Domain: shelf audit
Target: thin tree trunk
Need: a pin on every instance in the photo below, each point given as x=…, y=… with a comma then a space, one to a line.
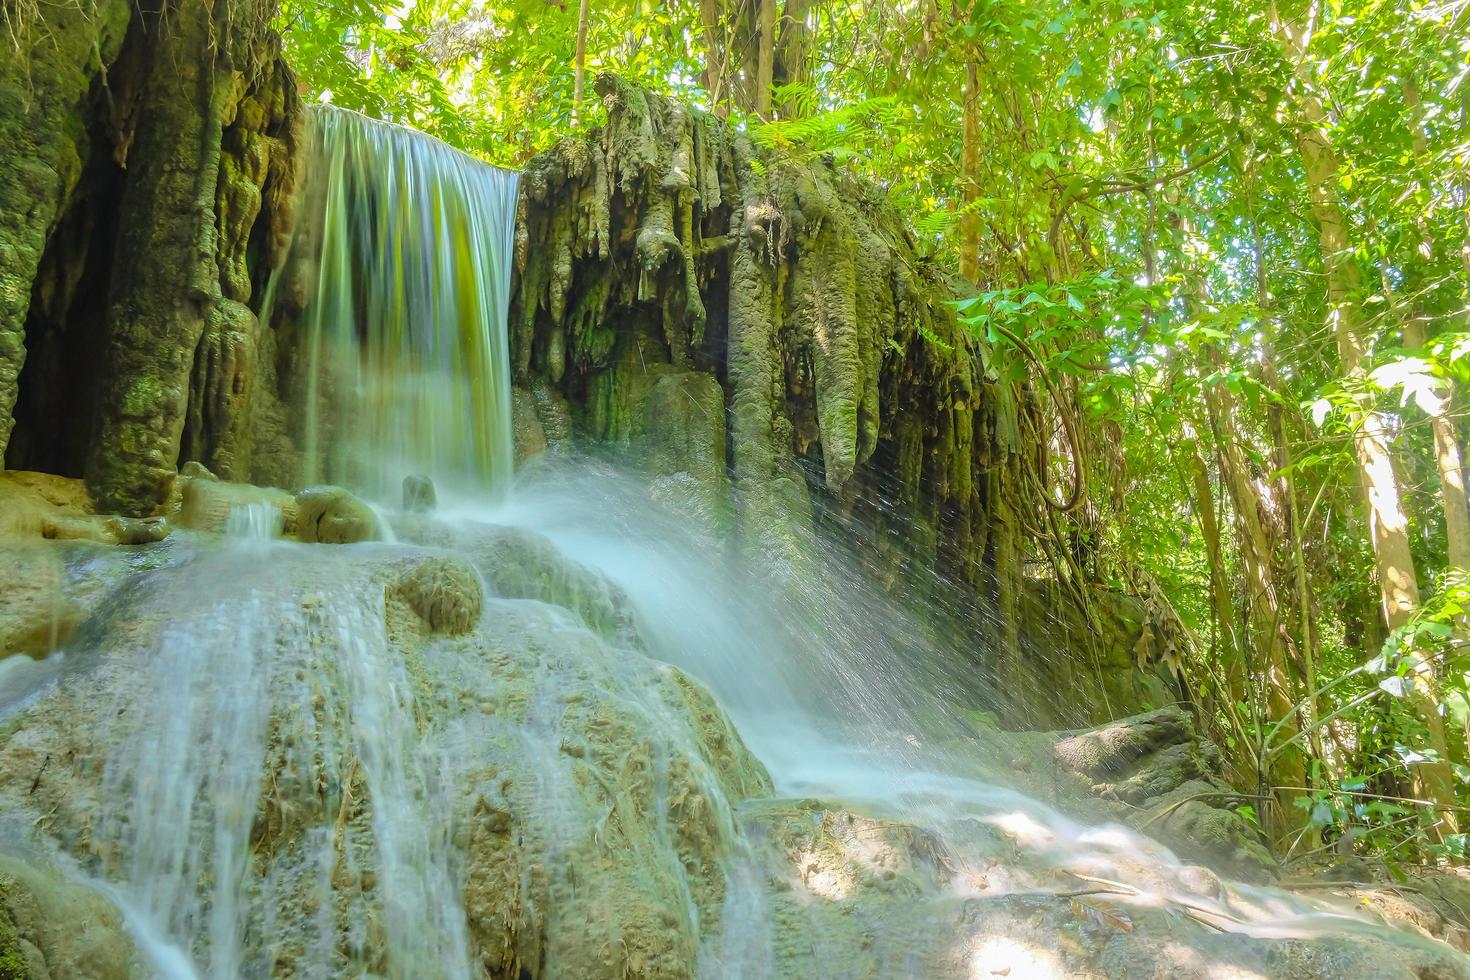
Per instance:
x=716, y=79
x=1204, y=495
x=1447, y=455
x=1448, y=459
x=581, y=71
x=1286, y=765
x=970, y=175
x=790, y=66
x=765, y=57
x=1307, y=653
x=1387, y=522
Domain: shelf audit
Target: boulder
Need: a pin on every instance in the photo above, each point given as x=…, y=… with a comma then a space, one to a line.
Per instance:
x=50, y=928
x=206, y=503
x=138, y=530
x=331, y=515
x=1170, y=777
x=445, y=593
x=36, y=616
x=418, y=494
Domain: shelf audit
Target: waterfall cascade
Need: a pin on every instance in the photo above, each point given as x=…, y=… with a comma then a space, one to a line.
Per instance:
x=559, y=734
x=412, y=243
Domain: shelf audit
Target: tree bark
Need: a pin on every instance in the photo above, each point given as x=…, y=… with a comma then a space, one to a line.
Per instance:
x=581, y=63
x=1447, y=455
x=716, y=79
x=970, y=175
x=1286, y=766
x=1388, y=524
x=790, y=67
x=765, y=58
x=1224, y=611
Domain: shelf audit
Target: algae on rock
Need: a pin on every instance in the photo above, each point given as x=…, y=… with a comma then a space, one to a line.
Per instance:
x=665, y=246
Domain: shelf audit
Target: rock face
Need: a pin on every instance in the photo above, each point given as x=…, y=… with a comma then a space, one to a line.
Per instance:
x=760, y=330
x=516, y=787
x=35, y=616
x=458, y=754
x=148, y=165
x=331, y=515
x=47, y=145
x=1159, y=766
x=867, y=897
x=764, y=333
x=52, y=929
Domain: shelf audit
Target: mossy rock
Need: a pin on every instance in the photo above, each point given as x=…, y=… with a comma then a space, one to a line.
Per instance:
x=331, y=515
x=207, y=503
x=51, y=928
x=444, y=592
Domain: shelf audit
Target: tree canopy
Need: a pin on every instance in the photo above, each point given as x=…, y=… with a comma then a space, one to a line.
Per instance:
x=1229, y=243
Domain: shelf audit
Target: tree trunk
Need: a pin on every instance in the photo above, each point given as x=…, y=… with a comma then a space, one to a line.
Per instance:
x=1224, y=611
x=791, y=44
x=581, y=63
x=1285, y=763
x=716, y=78
x=765, y=58
x=1388, y=525
x=1447, y=456
x=970, y=175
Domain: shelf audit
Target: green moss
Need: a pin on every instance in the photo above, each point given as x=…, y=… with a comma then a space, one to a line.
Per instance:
x=43, y=130
x=13, y=965
x=794, y=285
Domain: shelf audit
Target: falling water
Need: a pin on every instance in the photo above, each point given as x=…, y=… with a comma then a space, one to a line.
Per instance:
x=269, y=780
x=409, y=364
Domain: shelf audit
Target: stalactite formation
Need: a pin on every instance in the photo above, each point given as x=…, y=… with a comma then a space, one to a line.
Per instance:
x=162, y=143
x=760, y=329
x=664, y=243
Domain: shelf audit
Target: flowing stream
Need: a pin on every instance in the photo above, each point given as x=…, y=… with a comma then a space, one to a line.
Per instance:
x=281, y=783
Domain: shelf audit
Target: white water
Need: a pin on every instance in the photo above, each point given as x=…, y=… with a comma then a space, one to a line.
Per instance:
x=812, y=682
x=272, y=702
x=409, y=364
x=281, y=695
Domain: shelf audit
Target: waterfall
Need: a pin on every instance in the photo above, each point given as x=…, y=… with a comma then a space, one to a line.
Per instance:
x=554, y=733
x=409, y=367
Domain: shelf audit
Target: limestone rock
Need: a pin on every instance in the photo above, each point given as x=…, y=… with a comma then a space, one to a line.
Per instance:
x=586, y=790
x=1114, y=751
x=527, y=432
x=418, y=494
x=331, y=515
x=138, y=530
x=196, y=470
x=50, y=928
x=1159, y=765
x=36, y=617
x=206, y=503
x=444, y=592
x=684, y=445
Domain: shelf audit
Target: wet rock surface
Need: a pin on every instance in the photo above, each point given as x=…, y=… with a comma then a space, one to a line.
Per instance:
x=331, y=515
x=459, y=746
x=52, y=929
x=1169, y=776
x=586, y=798
x=444, y=592
x=206, y=503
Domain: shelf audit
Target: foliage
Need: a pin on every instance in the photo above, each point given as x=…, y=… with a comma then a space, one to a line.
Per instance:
x=1148, y=248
